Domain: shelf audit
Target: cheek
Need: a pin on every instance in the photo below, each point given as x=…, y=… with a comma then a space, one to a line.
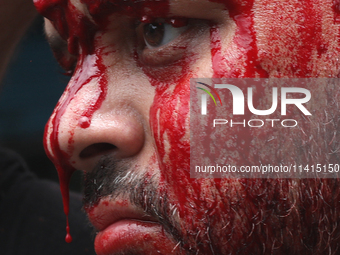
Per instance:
x=169, y=120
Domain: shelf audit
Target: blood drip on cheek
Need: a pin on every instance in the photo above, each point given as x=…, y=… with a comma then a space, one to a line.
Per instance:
x=165, y=122
x=247, y=66
x=169, y=115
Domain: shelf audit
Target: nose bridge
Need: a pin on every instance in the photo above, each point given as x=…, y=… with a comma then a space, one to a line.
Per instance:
x=92, y=119
x=83, y=96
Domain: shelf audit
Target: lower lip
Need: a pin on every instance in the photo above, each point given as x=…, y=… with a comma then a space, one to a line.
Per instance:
x=134, y=237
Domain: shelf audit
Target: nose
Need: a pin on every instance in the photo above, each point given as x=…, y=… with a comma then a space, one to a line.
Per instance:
x=109, y=133
x=87, y=124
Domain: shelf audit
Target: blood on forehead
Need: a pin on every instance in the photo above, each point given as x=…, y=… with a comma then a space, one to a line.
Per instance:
x=103, y=8
x=77, y=28
x=137, y=8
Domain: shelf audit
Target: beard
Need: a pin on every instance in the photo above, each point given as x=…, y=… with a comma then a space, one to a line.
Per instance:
x=230, y=216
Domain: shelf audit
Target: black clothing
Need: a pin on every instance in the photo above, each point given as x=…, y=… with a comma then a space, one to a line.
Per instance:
x=32, y=220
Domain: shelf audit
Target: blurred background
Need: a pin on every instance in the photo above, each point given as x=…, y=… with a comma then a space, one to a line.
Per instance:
x=30, y=90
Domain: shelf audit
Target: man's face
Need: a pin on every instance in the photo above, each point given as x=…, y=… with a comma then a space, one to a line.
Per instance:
x=124, y=120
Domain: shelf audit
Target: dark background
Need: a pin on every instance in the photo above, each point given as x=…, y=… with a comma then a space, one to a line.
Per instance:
x=30, y=90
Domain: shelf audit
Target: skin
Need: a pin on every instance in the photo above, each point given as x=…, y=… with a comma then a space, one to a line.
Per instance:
x=124, y=121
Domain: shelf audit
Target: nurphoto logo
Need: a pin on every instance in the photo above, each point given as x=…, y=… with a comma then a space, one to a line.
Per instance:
x=238, y=104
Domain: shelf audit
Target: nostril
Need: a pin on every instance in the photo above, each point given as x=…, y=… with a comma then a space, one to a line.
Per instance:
x=96, y=149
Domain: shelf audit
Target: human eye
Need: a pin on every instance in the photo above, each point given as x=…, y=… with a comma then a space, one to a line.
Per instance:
x=162, y=42
x=160, y=33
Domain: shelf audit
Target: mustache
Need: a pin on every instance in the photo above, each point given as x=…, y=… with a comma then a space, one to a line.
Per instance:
x=121, y=178
x=110, y=177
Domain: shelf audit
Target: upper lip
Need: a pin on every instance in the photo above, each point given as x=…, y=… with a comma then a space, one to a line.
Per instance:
x=109, y=211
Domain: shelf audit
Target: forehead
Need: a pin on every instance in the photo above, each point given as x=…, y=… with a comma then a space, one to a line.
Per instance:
x=61, y=10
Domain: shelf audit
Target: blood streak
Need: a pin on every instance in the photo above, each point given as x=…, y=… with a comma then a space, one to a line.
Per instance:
x=74, y=26
x=169, y=116
x=247, y=65
x=60, y=158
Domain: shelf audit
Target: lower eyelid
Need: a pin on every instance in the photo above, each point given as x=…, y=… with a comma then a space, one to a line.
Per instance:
x=162, y=57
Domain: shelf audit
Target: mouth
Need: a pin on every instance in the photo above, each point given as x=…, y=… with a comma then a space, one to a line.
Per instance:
x=125, y=229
